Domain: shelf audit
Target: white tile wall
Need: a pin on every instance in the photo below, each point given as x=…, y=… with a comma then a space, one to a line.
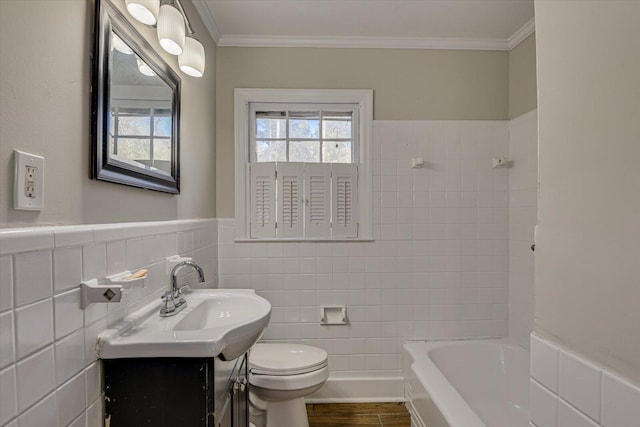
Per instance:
x=586, y=395
x=579, y=384
x=523, y=187
x=48, y=369
x=34, y=328
x=438, y=267
x=544, y=367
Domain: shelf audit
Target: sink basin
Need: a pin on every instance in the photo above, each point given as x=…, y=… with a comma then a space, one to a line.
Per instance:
x=216, y=322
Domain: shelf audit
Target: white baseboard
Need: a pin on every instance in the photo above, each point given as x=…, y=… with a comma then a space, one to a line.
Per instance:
x=346, y=390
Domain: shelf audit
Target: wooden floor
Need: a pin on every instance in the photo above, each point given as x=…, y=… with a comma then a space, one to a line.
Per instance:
x=358, y=414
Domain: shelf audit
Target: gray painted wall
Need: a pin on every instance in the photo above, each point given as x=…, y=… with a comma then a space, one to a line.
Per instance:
x=587, y=275
x=45, y=76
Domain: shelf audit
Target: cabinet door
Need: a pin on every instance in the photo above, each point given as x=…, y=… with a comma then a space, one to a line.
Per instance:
x=159, y=392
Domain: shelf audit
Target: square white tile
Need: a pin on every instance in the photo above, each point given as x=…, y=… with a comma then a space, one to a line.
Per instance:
x=34, y=327
x=8, y=405
x=95, y=414
x=7, y=339
x=6, y=282
x=81, y=421
x=545, y=359
x=94, y=261
x=42, y=414
x=116, y=257
x=33, y=276
x=568, y=416
x=68, y=314
x=580, y=385
x=93, y=382
x=134, y=254
x=70, y=399
x=620, y=402
x=543, y=406
x=70, y=358
x=35, y=376
x=67, y=268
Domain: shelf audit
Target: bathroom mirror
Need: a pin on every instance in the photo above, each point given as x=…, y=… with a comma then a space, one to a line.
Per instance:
x=135, y=107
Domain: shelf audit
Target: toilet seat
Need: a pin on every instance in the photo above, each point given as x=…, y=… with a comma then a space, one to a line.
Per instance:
x=286, y=359
x=283, y=383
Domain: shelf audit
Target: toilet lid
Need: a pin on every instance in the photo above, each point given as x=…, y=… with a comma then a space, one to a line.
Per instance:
x=286, y=359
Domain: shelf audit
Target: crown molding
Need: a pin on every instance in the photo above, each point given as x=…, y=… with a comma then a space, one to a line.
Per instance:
x=363, y=42
x=208, y=19
x=360, y=42
x=525, y=31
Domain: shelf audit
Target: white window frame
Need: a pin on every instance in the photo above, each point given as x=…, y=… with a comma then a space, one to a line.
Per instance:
x=242, y=126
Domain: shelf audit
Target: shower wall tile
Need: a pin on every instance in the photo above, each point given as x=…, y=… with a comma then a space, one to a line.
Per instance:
x=438, y=267
x=48, y=369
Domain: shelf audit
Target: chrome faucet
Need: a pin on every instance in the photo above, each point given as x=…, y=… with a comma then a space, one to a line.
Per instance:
x=174, y=303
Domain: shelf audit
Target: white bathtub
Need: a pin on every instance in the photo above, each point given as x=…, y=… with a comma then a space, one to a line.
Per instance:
x=481, y=383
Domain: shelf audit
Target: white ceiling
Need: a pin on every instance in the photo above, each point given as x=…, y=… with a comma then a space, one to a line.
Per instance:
x=462, y=24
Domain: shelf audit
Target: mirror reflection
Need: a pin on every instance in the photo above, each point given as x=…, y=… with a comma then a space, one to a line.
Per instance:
x=140, y=119
x=135, y=108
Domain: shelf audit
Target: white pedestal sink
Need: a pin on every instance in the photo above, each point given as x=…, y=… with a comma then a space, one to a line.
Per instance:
x=216, y=322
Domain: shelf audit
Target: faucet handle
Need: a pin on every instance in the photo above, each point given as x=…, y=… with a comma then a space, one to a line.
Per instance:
x=168, y=295
x=185, y=288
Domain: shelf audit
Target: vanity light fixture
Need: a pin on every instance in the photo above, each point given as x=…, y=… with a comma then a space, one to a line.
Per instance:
x=191, y=61
x=173, y=26
x=145, y=11
x=171, y=29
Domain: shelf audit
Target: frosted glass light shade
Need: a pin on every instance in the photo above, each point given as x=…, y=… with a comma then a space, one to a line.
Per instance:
x=145, y=11
x=144, y=68
x=192, y=60
x=171, y=31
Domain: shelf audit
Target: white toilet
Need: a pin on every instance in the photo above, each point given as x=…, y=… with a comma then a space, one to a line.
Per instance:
x=281, y=376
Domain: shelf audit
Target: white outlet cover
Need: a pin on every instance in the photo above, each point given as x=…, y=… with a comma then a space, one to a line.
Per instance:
x=28, y=191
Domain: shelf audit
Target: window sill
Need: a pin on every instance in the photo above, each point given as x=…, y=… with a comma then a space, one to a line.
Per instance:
x=338, y=240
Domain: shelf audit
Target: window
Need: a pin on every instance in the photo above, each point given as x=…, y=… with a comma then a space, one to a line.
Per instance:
x=302, y=164
x=305, y=134
x=141, y=136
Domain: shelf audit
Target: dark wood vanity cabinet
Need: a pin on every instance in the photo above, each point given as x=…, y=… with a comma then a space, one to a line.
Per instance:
x=184, y=392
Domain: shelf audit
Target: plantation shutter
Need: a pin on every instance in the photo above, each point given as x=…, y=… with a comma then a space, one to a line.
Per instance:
x=262, y=177
x=317, y=193
x=344, y=182
x=290, y=193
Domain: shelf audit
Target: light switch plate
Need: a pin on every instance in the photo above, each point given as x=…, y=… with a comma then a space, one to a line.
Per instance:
x=28, y=181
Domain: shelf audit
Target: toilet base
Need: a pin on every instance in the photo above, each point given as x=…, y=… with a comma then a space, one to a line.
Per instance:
x=287, y=413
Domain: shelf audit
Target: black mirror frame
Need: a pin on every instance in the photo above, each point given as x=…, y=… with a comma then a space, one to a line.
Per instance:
x=107, y=19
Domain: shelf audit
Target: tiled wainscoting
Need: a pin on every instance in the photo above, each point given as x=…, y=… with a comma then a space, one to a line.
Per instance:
x=567, y=391
x=523, y=204
x=49, y=375
x=438, y=267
